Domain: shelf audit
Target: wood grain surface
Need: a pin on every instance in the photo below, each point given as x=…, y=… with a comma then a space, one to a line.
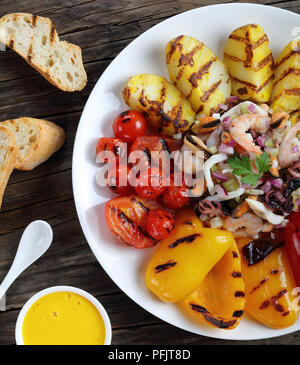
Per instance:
x=102, y=28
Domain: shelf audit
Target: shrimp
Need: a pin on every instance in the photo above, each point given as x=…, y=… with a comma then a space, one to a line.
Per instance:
x=239, y=126
x=248, y=225
x=289, y=149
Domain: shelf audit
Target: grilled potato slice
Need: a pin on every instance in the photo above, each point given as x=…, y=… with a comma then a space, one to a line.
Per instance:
x=286, y=87
x=198, y=73
x=250, y=63
x=167, y=110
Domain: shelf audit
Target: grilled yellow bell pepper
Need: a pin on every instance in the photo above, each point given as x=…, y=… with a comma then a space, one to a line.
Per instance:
x=220, y=299
x=269, y=288
x=182, y=260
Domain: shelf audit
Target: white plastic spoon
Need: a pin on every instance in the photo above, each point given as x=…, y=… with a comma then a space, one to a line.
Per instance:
x=34, y=242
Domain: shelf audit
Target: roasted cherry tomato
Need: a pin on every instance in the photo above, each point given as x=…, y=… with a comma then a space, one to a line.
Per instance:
x=129, y=125
x=175, y=197
x=148, y=144
x=160, y=224
x=151, y=183
x=126, y=218
x=118, y=180
x=292, y=244
x=109, y=145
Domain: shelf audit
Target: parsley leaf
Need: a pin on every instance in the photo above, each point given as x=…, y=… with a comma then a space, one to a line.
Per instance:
x=242, y=167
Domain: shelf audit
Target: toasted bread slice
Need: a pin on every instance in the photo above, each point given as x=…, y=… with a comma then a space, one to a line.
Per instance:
x=36, y=140
x=35, y=39
x=8, y=157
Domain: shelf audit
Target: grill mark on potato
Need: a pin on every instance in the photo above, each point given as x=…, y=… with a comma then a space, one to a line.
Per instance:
x=242, y=90
x=208, y=93
x=295, y=91
x=291, y=92
x=216, y=321
x=285, y=58
x=187, y=59
x=166, y=266
x=175, y=116
x=178, y=76
x=262, y=282
x=254, y=45
x=174, y=44
x=251, y=86
x=235, y=254
x=292, y=71
x=249, y=55
x=187, y=239
x=264, y=62
x=274, y=272
x=195, y=76
x=239, y=293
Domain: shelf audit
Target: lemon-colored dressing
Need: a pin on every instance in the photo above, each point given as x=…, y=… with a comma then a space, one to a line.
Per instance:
x=63, y=318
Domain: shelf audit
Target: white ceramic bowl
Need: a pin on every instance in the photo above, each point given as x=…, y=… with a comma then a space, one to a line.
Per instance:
x=126, y=265
x=54, y=289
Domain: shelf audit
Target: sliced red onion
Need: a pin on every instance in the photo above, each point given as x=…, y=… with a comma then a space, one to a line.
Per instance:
x=221, y=191
x=261, y=141
x=277, y=183
x=232, y=143
x=226, y=122
x=233, y=98
x=267, y=187
x=295, y=149
x=223, y=106
x=219, y=176
x=225, y=148
x=251, y=108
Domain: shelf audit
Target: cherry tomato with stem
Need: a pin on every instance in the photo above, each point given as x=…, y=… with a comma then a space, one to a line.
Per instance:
x=160, y=224
x=129, y=125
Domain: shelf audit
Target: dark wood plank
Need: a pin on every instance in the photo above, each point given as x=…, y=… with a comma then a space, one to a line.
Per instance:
x=102, y=28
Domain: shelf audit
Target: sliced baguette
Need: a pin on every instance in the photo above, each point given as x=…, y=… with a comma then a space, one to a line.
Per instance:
x=35, y=39
x=36, y=140
x=8, y=156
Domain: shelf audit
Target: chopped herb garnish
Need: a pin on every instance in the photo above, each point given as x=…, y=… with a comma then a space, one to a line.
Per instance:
x=242, y=167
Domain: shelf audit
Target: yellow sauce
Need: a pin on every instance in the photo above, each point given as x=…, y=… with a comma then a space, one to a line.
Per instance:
x=63, y=318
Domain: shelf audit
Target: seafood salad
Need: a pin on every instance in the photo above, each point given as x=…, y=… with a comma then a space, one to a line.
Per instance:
x=255, y=184
x=206, y=166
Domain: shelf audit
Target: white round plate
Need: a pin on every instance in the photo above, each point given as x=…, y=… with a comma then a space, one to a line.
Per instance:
x=125, y=265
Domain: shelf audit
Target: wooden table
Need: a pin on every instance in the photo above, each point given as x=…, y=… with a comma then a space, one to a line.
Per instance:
x=102, y=28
